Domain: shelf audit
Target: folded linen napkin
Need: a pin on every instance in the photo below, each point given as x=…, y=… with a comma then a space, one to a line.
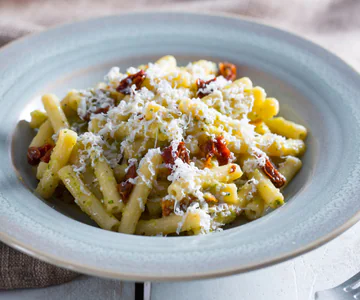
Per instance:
x=18, y=270
x=332, y=23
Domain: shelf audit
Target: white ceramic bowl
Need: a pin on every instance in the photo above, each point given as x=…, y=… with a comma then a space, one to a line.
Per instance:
x=315, y=88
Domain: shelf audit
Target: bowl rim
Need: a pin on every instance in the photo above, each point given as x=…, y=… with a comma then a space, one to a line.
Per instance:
x=16, y=244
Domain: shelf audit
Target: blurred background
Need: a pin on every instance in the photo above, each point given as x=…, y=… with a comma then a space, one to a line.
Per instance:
x=332, y=23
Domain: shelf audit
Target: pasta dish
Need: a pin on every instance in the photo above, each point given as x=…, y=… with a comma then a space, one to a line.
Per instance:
x=163, y=149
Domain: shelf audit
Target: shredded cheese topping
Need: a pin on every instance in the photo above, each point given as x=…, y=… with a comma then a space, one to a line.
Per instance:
x=164, y=110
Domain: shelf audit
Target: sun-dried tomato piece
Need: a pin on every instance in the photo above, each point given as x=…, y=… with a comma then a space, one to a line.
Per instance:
x=167, y=206
x=201, y=86
x=232, y=169
x=126, y=84
x=227, y=70
x=46, y=156
x=125, y=187
x=45, y=148
x=169, y=157
x=274, y=175
x=224, y=154
x=35, y=154
x=208, y=149
x=183, y=153
x=103, y=110
x=217, y=148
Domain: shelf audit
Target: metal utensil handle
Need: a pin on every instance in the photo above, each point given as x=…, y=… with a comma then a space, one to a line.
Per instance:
x=147, y=290
x=143, y=290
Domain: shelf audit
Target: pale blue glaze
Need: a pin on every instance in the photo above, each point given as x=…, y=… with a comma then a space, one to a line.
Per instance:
x=314, y=87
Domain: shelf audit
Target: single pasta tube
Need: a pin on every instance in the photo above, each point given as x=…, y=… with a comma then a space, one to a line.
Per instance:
x=271, y=195
x=108, y=185
x=58, y=159
x=43, y=135
x=170, y=224
x=286, y=128
x=54, y=111
x=88, y=203
x=37, y=118
x=289, y=168
x=147, y=172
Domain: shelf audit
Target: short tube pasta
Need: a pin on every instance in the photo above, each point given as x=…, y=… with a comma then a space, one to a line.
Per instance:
x=226, y=192
x=268, y=192
x=58, y=159
x=86, y=200
x=37, y=118
x=43, y=135
x=290, y=167
x=229, y=172
x=89, y=179
x=262, y=128
x=225, y=173
x=286, y=128
x=168, y=224
x=245, y=194
x=146, y=175
x=255, y=208
x=276, y=145
x=162, y=149
x=108, y=185
x=41, y=169
x=54, y=111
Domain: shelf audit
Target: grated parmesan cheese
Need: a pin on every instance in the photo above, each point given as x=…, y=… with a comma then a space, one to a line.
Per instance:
x=121, y=129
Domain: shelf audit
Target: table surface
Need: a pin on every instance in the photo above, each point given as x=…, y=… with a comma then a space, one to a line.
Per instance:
x=296, y=279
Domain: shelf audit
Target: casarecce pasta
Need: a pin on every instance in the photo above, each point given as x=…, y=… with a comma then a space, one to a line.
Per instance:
x=163, y=149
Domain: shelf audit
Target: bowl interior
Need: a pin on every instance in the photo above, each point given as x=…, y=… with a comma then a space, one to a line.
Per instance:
x=293, y=105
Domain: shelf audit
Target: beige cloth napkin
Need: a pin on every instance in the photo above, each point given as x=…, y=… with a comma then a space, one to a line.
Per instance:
x=332, y=23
